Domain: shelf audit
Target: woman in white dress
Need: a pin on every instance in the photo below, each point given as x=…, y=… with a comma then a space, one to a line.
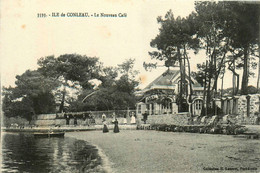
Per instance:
x=104, y=117
x=113, y=117
x=133, y=121
x=105, y=128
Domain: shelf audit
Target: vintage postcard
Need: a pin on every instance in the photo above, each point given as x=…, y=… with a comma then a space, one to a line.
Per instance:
x=130, y=86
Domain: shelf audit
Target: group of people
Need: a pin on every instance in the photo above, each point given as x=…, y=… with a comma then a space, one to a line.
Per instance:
x=115, y=122
x=67, y=117
x=88, y=118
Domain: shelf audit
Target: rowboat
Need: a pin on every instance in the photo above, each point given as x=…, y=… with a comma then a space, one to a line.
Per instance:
x=49, y=134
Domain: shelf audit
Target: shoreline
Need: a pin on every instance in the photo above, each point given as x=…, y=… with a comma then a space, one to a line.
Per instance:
x=106, y=164
x=70, y=128
x=155, y=151
x=248, y=131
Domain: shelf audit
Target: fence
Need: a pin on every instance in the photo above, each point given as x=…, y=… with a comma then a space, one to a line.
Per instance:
x=95, y=114
x=81, y=118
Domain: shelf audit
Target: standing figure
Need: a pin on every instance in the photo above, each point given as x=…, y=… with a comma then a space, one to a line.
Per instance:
x=92, y=120
x=104, y=117
x=133, y=118
x=145, y=115
x=116, y=128
x=113, y=117
x=105, y=129
x=125, y=120
x=75, y=120
x=67, y=119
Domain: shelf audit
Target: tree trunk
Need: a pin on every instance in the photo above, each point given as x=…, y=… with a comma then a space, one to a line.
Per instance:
x=208, y=98
x=234, y=78
x=245, y=71
x=218, y=72
x=258, y=78
x=63, y=99
x=190, y=82
x=215, y=84
x=222, y=83
x=204, y=110
x=181, y=81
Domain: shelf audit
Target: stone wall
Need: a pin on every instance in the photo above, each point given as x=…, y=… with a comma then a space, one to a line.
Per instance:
x=254, y=104
x=83, y=118
x=252, y=118
x=82, y=122
x=46, y=117
x=53, y=119
x=242, y=106
x=176, y=119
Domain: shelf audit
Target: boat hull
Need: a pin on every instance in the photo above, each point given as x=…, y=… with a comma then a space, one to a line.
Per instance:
x=48, y=135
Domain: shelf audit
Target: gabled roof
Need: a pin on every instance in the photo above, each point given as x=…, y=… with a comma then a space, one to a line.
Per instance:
x=169, y=79
x=164, y=80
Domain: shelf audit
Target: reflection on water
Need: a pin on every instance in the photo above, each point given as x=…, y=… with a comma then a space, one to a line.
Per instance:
x=22, y=152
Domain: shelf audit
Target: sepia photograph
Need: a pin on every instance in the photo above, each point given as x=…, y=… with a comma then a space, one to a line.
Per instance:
x=122, y=86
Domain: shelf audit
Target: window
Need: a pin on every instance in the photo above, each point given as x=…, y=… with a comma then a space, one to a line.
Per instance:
x=184, y=87
x=139, y=108
x=167, y=105
x=198, y=104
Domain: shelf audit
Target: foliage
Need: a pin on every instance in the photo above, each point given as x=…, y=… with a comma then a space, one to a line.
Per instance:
x=71, y=67
x=176, y=36
x=32, y=95
x=228, y=33
x=199, y=76
x=72, y=71
x=15, y=121
x=38, y=91
x=243, y=31
x=113, y=93
x=108, y=76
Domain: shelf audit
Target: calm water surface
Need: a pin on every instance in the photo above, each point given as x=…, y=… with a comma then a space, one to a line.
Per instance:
x=22, y=152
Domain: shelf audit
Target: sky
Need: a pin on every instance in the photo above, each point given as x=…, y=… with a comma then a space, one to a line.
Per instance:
x=24, y=37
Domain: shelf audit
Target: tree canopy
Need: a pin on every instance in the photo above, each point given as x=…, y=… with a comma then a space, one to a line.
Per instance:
x=226, y=31
x=65, y=81
x=71, y=71
x=32, y=95
x=116, y=92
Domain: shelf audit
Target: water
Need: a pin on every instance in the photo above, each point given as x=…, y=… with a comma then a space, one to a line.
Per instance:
x=22, y=152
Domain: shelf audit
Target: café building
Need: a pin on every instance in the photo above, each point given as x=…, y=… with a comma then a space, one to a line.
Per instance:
x=161, y=95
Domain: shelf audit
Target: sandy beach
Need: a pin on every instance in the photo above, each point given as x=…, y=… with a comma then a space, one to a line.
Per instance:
x=154, y=151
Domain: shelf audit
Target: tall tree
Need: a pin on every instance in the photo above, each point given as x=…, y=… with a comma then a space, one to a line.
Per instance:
x=243, y=32
x=174, y=39
x=227, y=29
x=71, y=70
x=33, y=94
x=214, y=20
x=127, y=81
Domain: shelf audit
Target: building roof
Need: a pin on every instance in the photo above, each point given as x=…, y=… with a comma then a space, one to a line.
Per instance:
x=164, y=80
x=168, y=80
